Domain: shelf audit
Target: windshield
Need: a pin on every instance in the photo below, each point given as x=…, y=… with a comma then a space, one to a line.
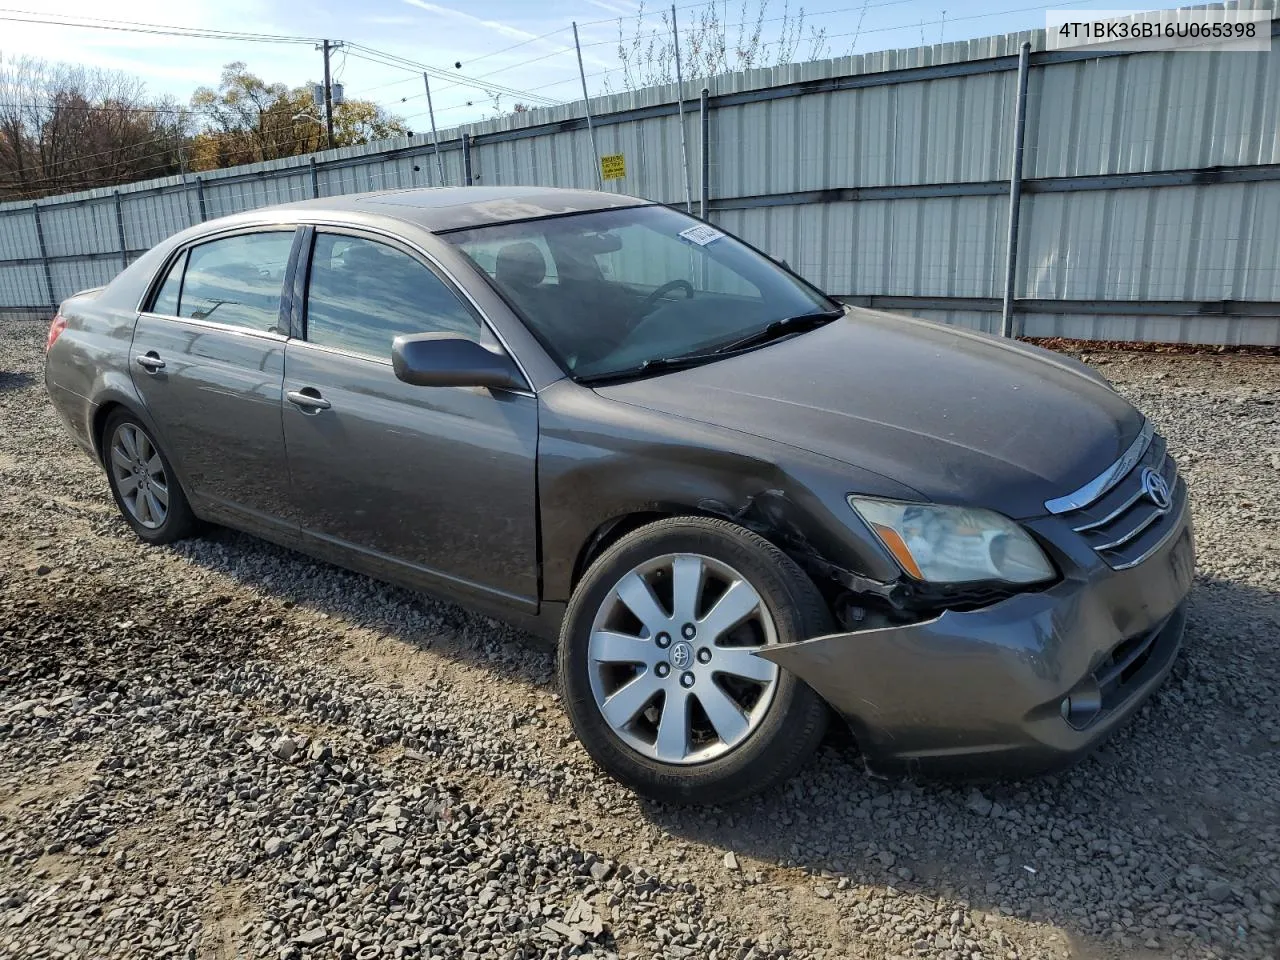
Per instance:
x=612, y=290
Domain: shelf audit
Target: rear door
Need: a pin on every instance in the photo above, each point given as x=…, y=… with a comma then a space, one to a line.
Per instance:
x=208, y=360
x=435, y=485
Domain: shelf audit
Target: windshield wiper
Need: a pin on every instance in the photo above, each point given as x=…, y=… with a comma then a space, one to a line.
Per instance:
x=774, y=331
x=656, y=365
x=782, y=328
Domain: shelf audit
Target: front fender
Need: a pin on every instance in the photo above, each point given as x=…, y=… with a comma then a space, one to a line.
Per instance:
x=600, y=460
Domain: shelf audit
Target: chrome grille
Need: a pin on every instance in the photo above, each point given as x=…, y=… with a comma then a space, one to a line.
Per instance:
x=1124, y=523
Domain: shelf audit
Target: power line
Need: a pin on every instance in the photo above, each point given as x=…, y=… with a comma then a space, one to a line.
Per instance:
x=522, y=43
x=403, y=63
x=472, y=60
x=86, y=108
x=61, y=179
x=800, y=12
x=134, y=26
x=393, y=83
x=975, y=16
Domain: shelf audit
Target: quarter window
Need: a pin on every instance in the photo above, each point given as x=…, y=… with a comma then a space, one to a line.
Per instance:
x=166, y=301
x=362, y=295
x=236, y=280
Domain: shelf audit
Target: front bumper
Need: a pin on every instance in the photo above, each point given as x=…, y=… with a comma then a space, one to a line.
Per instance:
x=981, y=693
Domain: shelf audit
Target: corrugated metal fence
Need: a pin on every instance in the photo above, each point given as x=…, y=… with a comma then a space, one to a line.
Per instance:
x=1150, y=208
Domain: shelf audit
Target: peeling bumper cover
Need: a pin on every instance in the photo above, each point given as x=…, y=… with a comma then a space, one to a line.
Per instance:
x=981, y=693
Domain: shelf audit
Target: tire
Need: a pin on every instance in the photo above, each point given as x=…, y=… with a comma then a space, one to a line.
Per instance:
x=142, y=481
x=606, y=649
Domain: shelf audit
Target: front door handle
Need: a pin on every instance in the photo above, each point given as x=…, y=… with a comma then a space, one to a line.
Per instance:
x=150, y=361
x=308, y=399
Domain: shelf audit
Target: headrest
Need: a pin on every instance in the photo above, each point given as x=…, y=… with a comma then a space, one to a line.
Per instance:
x=520, y=265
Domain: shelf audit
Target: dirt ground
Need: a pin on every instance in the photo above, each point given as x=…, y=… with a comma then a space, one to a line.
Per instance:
x=223, y=749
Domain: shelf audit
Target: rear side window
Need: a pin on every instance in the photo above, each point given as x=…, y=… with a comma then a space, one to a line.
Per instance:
x=236, y=280
x=362, y=294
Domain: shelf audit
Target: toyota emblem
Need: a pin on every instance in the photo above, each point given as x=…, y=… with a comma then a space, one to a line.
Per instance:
x=1156, y=489
x=681, y=655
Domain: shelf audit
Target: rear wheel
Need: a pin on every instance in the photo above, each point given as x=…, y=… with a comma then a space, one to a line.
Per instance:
x=143, y=482
x=658, y=662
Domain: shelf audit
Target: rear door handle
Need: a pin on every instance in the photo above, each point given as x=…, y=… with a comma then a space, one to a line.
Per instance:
x=150, y=361
x=308, y=399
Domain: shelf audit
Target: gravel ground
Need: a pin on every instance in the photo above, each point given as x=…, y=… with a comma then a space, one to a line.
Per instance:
x=222, y=749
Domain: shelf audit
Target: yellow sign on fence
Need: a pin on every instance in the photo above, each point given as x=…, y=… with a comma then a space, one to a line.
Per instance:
x=613, y=167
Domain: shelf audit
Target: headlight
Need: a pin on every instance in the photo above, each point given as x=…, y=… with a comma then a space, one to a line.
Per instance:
x=954, y=544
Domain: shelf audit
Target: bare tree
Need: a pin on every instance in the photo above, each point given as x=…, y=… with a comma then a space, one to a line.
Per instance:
x=65, y=127
x=22, y=81
x=710, y=44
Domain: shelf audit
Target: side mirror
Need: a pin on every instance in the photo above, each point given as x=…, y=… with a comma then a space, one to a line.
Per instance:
x=452, y=360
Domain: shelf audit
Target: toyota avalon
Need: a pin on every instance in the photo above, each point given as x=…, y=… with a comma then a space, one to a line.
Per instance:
x=738, y=506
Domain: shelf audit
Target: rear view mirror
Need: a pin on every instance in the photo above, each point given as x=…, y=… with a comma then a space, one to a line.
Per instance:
x=452, y=360
x=603, y=242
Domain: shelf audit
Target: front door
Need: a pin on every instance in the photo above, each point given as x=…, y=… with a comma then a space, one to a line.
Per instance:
x=434, y=484
x=208, y=361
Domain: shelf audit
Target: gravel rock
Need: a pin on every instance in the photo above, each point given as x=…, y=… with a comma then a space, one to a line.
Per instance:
x=311, y=938
x=978, y=803
x=1218, y=890
x=433, y=803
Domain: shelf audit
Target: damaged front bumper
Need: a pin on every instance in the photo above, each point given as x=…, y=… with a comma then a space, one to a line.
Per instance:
x=1024, y=685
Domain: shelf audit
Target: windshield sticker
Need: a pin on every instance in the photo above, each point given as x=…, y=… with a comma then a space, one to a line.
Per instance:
x=702, y=234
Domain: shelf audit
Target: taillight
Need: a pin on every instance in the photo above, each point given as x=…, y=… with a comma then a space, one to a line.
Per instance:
x=55, y=330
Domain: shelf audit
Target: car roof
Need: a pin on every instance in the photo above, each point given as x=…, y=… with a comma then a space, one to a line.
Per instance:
x=440, y=209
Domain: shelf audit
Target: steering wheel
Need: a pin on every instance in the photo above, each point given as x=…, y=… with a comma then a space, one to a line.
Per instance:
x=651, y=300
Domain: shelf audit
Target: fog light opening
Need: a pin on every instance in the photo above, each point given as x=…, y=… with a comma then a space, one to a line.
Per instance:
x=1082, y=705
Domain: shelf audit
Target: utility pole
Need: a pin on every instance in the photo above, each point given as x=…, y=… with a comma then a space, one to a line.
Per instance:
x=328, y=47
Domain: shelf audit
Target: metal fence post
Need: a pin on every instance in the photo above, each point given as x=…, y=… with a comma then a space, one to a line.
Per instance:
x=704, y=111
x=1007, y=326
x=44, y=256
x=466, y=158
x=315, y=178
x=435, y=135
x=204, y=214
x=124, y=250
x=684, y=147
x=186, y=199
x=586, y=108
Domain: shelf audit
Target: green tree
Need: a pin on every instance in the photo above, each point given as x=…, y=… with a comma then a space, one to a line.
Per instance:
x=248, y=120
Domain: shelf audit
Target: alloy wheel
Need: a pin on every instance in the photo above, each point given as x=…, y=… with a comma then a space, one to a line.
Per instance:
x=672, y=659
x=139, y=475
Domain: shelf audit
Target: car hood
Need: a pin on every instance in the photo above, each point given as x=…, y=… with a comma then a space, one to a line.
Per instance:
x=959, y=416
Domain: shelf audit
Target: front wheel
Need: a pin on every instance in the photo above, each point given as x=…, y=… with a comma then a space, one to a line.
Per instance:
x=658, y=662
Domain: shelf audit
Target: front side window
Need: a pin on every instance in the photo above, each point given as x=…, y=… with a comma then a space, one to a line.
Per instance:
x=237, y=280
x=612, y=290
x=362, y=294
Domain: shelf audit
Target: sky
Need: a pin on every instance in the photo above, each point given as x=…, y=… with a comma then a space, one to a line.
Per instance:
x=525, y=45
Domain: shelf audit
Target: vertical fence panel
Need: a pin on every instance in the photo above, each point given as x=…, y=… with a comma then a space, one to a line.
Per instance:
x=17, y=234
x=80, y=227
